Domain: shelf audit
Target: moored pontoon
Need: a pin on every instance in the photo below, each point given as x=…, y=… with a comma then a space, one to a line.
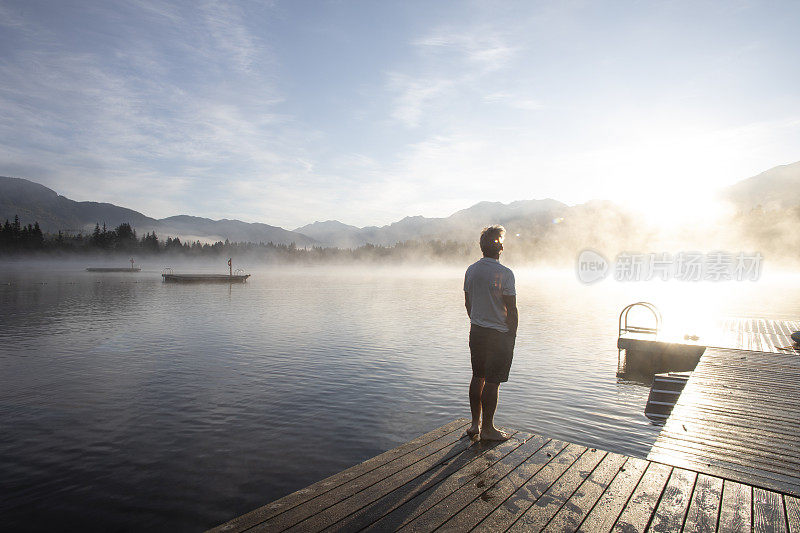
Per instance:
x=233, y=276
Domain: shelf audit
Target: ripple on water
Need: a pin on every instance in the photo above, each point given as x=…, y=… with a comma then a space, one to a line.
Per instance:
x=177, y=407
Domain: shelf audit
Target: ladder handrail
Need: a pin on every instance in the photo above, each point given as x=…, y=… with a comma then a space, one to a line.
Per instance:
x=623, y=317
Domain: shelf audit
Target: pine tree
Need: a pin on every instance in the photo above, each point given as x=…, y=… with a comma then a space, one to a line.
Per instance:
x=37, y=237
x=96, y=236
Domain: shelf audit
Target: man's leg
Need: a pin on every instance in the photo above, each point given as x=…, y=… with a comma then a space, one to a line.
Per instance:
x=475, y=390
x=489, y=397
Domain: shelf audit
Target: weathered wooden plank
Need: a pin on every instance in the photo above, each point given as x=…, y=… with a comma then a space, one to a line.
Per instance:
x=470, y=504
x=740, y=355
x=702, y=417
x=265, y=512
x=674, y=503
x=581, y=502
x=792, y=505
x=545, y=508
x=774, y=327
x=412, y=499
x=768, y=512
x=605, y=512
x=755, y=340
x=738, y=399
x=724, y=436
x=726, y=427
x=730, y=471
x=746, y=379
x=737, y=418
x=637, y=513
x=740, y=337
x=737, y=363
x=764, y=455
x=735, y=513
x=744, y=371
x=675, y=450
x=704, y=508
x=429, y=454
x=768, y=343
x=444, y=482
x=414, y=479
x=760, y=414
x=739, y=360
x=515, y=505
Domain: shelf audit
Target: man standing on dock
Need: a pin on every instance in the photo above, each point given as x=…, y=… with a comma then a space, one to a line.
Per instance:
x=491, y=302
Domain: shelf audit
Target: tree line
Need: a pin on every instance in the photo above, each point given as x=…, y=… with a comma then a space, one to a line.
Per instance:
x=15, y=238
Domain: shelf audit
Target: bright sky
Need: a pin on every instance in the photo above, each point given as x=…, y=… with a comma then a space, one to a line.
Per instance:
x=368, y=111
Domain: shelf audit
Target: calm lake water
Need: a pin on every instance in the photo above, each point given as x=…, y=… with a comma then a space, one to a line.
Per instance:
x=127, y=403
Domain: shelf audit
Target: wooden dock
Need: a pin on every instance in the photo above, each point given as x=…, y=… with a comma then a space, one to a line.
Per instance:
x=205, y=278
x=757, y=334
x=647, y=353
x=443, y=481
x=739, y=418
x=727, y=459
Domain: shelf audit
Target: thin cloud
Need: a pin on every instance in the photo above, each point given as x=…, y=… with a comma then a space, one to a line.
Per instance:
x=479, y=46
x=226, y=25
x=239, y=110
x=514, y=101
x=414, y=95
x=452, y=64
x=87, y=118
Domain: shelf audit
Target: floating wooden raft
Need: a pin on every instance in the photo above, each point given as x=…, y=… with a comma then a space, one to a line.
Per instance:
x=206, y=278
x=100, y=269
x=443, y=481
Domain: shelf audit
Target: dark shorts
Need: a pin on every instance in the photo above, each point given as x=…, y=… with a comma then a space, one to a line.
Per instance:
x=491, y=352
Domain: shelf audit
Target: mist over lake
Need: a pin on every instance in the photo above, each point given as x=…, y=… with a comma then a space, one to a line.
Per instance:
x=130, y=403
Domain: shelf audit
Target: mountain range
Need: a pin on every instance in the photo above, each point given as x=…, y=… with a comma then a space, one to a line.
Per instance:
x=777, y=188
x=34, y=202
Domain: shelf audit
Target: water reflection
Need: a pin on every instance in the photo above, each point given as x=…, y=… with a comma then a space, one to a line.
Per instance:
x=131, y=401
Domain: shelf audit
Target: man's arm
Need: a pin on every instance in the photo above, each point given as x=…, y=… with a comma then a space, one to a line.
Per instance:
x=467, y=304
x=512, y=315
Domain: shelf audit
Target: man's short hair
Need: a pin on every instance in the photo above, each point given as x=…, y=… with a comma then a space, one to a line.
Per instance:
x=491, y=238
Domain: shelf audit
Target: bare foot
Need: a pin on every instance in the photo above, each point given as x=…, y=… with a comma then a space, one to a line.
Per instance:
x=494, y=434
x=473, y=431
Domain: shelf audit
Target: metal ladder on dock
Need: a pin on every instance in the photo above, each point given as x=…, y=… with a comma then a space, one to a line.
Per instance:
x=664, y=395
x=666, y=387
x=626, y=328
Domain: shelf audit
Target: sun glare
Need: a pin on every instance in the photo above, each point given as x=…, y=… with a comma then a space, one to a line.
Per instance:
x=671, y=210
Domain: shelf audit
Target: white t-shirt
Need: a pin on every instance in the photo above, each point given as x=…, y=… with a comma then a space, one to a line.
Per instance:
x=486, y=282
